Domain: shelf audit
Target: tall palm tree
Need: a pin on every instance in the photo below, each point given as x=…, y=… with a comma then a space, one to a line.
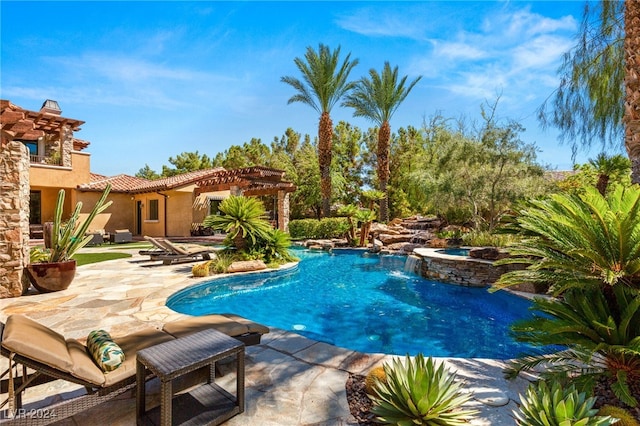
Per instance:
x=377, y=98
x=632, y=85
x=325, y=83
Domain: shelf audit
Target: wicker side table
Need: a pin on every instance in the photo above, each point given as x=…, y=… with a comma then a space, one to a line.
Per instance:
x=207, y=404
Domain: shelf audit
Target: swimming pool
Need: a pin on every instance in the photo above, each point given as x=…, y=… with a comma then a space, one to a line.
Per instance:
x=366, y=303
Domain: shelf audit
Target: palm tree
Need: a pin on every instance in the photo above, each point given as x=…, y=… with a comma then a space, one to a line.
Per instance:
x=325, y=83
x=377, y=98
x=609, y=168
x=632, y=85
x=243, y=219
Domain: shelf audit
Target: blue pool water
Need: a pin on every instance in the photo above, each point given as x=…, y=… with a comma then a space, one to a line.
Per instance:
x=366, y=303
x=455, y=251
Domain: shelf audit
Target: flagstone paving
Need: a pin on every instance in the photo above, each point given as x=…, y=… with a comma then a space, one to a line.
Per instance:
x=290, y=380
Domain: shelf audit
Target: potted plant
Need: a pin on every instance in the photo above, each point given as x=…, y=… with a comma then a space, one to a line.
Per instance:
x=55, y=270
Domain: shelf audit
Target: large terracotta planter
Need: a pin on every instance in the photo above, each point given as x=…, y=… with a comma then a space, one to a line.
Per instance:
x=49, y=277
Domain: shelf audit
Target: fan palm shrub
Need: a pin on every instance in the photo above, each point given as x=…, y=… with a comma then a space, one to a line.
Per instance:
x=599, y=343
x=579, y=241
x=275, y=247
x=587, y=247
x=243, y=219
x=419, y=392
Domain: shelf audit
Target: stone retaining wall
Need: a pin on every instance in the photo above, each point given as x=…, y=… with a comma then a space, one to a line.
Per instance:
x=14, y=219
x=462, y=270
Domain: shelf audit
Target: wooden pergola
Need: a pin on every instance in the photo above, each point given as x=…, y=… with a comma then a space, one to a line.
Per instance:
x=19, y=123
x=250, y=181
x=253, y=181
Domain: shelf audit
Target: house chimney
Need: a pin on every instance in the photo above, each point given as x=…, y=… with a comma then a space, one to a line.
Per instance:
x=51, y=107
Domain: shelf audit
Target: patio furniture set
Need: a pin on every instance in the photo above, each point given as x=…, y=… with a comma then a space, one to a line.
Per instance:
x=116, y=237
x=187, y=348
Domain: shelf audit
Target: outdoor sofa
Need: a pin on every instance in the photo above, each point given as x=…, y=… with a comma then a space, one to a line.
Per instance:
x=38, y=354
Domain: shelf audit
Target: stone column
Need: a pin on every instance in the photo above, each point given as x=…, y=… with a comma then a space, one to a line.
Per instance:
x=283, y=211
x=14, y=219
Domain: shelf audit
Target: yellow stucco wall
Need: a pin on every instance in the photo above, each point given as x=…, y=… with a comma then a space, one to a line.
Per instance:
x=117, y=216
x=149, y=226
x=62, y=177
x=180, y=213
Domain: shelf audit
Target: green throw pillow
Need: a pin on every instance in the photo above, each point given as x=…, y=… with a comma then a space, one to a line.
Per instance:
x=104, y=351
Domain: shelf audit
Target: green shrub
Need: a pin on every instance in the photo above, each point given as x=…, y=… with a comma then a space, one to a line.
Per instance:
x=303, y=228
x=542, y=406
x=333, y=227
x=487, y=239
x=221, y=263
x=330, y=227
x=421, y=393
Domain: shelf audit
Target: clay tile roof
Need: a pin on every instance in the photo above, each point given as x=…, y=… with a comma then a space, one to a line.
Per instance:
x=256, y=180
x=119, y=183
x=79, y=144
x=175, y=181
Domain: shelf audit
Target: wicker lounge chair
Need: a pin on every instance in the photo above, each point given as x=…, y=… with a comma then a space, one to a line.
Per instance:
x=232, y=325
x=176, y=253
x=157, y=249
x=49, y=356
x=29, y=344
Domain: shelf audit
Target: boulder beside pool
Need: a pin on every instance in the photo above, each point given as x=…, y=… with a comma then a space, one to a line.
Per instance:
x=246, y=266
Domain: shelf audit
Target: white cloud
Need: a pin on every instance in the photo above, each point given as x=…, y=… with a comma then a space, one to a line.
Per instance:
x=458, y=50
x=516, y=54
x=377, y=23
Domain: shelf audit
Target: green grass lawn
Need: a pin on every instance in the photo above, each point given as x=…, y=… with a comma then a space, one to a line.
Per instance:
x=87, y=258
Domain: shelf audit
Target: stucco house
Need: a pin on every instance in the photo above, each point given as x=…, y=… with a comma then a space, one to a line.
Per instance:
x=172, y=207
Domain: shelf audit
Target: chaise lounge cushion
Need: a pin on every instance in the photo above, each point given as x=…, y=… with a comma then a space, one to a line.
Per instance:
x=131, y=344
x=33, y=340
x=229, y=324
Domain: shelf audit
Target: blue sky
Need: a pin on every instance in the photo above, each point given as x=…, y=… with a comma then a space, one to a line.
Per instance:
x=154, y=79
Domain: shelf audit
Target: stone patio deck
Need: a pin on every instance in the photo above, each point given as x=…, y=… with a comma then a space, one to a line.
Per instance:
x=290, y=380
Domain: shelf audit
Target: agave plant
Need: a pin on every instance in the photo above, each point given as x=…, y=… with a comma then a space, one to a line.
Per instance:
x=243, y=219
x=555, y=406
x=419, y=392
x=69, y=237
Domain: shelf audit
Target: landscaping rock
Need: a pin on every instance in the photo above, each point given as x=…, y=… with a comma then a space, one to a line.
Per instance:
x=422, y=237
x=438, y=243
x=487, y=253
x=388, y=239
x=246, y=266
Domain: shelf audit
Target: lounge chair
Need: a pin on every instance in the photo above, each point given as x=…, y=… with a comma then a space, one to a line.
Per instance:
x=49, y=356
x=177, y=253
x=157, y=249
x=232, y=325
